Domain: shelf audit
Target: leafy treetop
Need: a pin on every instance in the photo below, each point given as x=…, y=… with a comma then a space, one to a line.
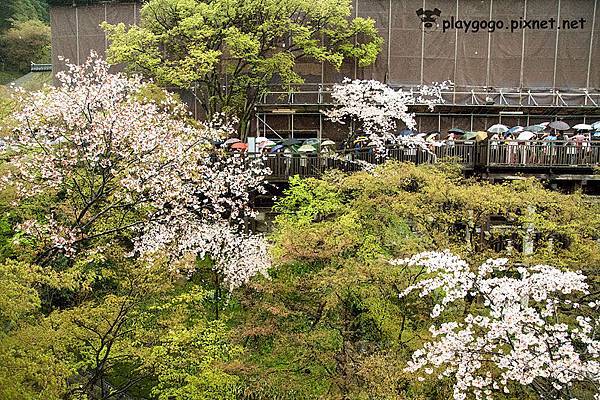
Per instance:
x=229, y=51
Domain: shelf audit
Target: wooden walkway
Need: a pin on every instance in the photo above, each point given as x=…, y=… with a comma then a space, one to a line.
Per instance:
x=511, y=157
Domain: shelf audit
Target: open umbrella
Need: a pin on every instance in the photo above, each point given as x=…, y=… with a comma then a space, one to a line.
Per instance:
x=261, y=139
x=534, y=128
x=361, y=139
x=498, y=128
x=457, y=131
x=239, y=146
x=277, y=148
x=480, y=136
x=432, y=136
x=266, y=143
x=306, y=148
x=583, y=127
x=405, y=132
x=328, y=142
x=232, y=141
x=559, y=125
x=596, y=125
x=516, y=129
x=526, y=135
x=291, y=142
x=469, y=136
x=312, y=142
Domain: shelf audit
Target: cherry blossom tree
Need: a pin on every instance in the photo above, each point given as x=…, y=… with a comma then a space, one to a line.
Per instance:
x=117, y=163
x=378, y=107
x=523, y=326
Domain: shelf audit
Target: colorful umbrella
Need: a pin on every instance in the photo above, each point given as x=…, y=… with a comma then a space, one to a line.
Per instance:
x=559, y=125
x=292, y=142
x=306, y=148
x=361, y=139
x=312, y=141
x=481, y=135
x=525, y=135
x=498, y=128
x=239, y=146
x=516, y=129
x=583, y=127
x=277, y=148
x=535, y=128
x=267, y=143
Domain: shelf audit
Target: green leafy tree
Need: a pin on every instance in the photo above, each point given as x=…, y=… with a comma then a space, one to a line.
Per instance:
x=132, y=330
x=12, y=11
x=24, y=43
x=229, y=51
x=331, y=324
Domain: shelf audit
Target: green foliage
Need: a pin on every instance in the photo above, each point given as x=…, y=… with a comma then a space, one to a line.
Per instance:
x=24, y=43
x=230, y=50
x=330, y=323
x=12, y=11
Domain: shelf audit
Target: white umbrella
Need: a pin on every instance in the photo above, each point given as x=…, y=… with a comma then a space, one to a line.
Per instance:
x=261, y=139
x=328, y=143
x=544, y=124
x=583, y=127
x=306, y=148
x=498, y=128
x=232, y=141
x=525, y=135
x=266, y=143
x=596, y=125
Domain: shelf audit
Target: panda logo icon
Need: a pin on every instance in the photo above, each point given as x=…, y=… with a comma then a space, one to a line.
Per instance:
x=429, y=19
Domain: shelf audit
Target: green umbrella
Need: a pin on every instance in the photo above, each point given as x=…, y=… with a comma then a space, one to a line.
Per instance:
x=469, y=136
x=534, y=128
x=312, y=141
x=292, y=142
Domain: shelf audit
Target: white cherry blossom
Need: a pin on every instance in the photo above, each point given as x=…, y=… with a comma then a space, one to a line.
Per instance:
x=119, y=163
x=522, y=327
x=378, y=108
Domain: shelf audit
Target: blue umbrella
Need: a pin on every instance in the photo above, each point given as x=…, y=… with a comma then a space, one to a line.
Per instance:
x=405, y=132
x=515, y=129
x=277, y=148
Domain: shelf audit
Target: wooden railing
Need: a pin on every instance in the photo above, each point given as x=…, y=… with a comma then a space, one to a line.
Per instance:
x=536, y=153
x=308, y=165
x=469, y=154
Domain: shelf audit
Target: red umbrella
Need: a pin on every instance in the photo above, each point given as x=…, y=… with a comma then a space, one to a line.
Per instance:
x=239, y=146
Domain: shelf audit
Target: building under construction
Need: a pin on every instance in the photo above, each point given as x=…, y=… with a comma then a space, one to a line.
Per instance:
x=517, y=62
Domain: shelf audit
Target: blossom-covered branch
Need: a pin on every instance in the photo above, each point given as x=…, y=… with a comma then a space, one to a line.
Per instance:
x=378, y=108
x=115, y=161
x=524, y=327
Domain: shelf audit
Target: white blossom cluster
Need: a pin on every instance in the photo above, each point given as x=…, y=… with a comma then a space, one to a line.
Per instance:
x=126, y=162
x=526, y=329
x=379, y=108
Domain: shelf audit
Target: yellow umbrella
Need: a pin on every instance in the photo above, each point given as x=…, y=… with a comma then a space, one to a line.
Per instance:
x=481, y=135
